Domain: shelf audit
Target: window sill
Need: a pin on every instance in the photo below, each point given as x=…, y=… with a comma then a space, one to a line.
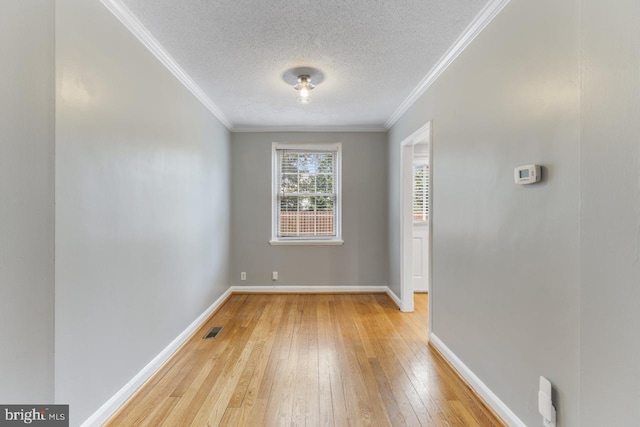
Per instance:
x=336, y=242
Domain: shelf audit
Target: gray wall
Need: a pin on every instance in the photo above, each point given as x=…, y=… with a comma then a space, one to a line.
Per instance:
x=610, y=349
x=506, y=257
x=362, y=260
x=142, y=207
x=26, y=201
x=142, y=215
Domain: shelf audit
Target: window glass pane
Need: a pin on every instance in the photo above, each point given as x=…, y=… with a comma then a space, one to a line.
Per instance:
x=289, y=162
x=307, y=183
x=288, y=222
x=306, y=163
x=324, y=224
x=307, y=203
x=306, y=197
x=289, y=183
x=289, y=204
x=324, y=184
x=325, y=162
x=325, y=204
x=307, y=213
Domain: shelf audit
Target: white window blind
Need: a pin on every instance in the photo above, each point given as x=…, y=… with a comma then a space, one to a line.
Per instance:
x=306, y=194
x=420, y=192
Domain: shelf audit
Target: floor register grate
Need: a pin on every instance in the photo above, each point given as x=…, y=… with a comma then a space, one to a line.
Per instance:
x=213, y=332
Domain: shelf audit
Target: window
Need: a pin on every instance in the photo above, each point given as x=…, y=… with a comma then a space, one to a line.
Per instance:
x=306, y=194
x=420, y=192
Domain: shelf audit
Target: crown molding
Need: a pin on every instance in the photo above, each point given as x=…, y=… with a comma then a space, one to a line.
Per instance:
x=485, y=16
x=355, y=128
x=124, y=15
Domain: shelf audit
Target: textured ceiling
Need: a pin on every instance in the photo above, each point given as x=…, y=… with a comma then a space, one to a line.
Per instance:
x=371, y=53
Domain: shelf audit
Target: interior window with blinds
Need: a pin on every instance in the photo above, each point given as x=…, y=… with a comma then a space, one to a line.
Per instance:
x=306, y=196
x=420, y=192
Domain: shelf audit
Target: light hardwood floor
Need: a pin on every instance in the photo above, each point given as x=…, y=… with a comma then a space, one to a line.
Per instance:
x=325, y=360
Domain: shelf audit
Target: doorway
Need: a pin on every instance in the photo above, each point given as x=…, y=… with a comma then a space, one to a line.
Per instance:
x=416, y=216
x=420, y=215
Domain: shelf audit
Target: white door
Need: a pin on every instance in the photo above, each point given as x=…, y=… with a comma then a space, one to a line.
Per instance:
x=420, y=257
x=420, y=221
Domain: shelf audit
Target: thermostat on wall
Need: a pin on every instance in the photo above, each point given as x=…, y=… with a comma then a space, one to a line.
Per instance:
x=528, y=174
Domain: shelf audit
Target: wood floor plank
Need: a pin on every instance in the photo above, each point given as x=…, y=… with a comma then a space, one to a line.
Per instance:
x=308, y=360
x=376, y=395
x=258, y=373
x=217, y=401
x=405, y=394
x=301, y=382
x=325, y=396
x=359, y=409
x=263, y=333
x=392, y=410
x=160, y=412
x=281, y=396
x=199, y=407
x=190, y=398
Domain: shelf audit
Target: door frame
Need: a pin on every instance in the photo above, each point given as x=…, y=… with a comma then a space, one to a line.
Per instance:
x=422, y=135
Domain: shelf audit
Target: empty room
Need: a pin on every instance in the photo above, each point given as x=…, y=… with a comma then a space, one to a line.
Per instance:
x=340, y=213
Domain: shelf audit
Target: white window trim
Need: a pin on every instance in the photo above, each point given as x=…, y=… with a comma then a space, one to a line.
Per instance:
x=305, y=241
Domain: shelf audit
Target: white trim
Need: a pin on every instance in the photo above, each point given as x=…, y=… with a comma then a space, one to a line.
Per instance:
x=406, y=227
x=128, y=19
x=304, y=242
x=317, y=146
x=275, y=175
x=320, y=289
x=430, y=225
x=354, y=128
x=113, y=404
x=395, y=298
x=422, y=135
x=485, y=16
x=476, y=384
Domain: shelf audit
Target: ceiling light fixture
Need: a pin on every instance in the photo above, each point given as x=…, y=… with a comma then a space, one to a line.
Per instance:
x=304, y=86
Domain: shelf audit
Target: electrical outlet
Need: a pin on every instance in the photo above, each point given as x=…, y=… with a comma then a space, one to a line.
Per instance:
x=274, y=275
x=243, y=276
x=545, y=404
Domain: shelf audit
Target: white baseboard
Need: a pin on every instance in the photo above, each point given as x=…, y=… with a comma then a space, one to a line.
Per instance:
x=113, y=404
x=394, y=297
x=284, y=289
x=476, y=384
x=425, y=290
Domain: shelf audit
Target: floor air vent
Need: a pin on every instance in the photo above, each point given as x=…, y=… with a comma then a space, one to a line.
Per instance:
x=213, y=332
